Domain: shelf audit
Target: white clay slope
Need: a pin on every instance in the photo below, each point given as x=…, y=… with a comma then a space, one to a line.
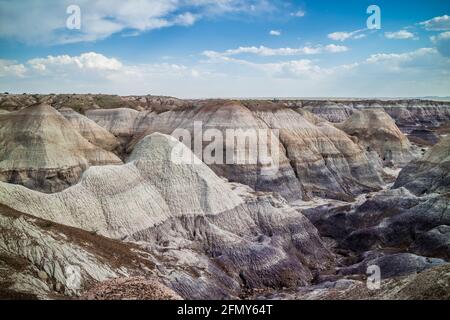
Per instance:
x=117, y=201
x=212, y=237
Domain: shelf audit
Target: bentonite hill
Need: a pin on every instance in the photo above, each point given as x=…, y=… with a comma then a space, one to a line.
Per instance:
x=101, y=199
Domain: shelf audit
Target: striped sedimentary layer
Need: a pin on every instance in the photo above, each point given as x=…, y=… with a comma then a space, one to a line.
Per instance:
x=211, y=238
x=313, y=157
x=41, y=150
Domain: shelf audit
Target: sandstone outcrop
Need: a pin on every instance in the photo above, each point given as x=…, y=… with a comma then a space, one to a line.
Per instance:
x=41, y=150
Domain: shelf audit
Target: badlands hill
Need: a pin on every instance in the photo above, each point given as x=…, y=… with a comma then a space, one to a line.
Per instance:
x=160, y=223
x=83, y=102
x=402, y=228
x=314, y=158
x=431, y=173
x=37, y=257
x=91, y=131
x=41, y=149
x=406, y=113
x=209, y=238
x=376, y=131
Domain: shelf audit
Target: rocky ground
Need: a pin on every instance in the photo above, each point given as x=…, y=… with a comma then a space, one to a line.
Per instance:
x=89, y=188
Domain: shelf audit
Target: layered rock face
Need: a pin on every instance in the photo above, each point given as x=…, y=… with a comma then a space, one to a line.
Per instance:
x=396, y=220
x=84, y=102
x=91, y=131
x=326, y=161
x=431, y=284
x=210, y=238
x=406, y=113
x=376, y=131
x=41, y=149
x=241, y=134
x=312, y=158
x=330, y=111
x=167, y=225
x=40, y=259
x=431, y=173
x=397, y=232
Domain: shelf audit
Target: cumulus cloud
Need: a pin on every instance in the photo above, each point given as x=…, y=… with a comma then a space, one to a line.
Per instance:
x=423, y=61
x=33, y=21
x=266, y=51
x=11, y=68
x=88, y=67
x=86, y=61
x=440, y=36
x=299, y=13
x=275, y=32
x=401, y=34
x=442, y=42
x=335, y=48
x=441, y=23
x=303, y=68
x=343, y=35
x=419, y=72
x=400, y=57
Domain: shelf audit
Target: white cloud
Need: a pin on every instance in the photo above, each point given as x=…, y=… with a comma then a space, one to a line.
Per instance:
x=442, y=42
x=304, y=68
x=86, y=61
x=441, y=23
x=402, y=34
x=400, y=57
x=440, y=36
x=360, y=36
x=411, y=66
x=11, y=68
x=343, y=35
x=34, y=22
x=416, y=73
x=266, y=51
x=335, y=48
x=294, y=68
x=275, y=32
x=91, y=66
x=185, y=19
x=299, y=13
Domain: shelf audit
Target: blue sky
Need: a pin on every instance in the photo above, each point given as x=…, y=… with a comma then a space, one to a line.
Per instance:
x=226, y=48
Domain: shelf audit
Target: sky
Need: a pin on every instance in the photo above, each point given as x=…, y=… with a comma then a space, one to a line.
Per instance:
x=226, y=48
